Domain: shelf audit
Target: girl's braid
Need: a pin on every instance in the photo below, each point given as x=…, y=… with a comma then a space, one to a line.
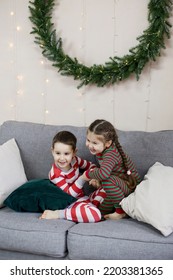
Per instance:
x=129, y=177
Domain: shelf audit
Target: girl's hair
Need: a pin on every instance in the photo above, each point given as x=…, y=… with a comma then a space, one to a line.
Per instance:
x=108, y=132
x=65, y=137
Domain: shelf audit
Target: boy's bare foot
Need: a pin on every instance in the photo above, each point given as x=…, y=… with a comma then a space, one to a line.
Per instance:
x=50, y=214
x=115, y=216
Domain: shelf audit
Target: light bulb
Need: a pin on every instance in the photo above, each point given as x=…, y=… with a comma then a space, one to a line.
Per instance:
x=11, y=45
x=18, y=28
x=20, y=77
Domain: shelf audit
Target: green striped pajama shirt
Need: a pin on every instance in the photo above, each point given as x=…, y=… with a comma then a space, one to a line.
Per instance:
x=110, y=173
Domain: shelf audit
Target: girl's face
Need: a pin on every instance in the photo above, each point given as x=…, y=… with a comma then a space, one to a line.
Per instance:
x=63, y=155
x=96, y=144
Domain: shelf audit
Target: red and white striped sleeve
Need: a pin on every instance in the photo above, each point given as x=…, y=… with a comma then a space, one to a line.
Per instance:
x=85, y=164
x=59, y=179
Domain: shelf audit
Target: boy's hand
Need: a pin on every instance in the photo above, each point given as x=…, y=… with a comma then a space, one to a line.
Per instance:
x=84, y=177
x=95, y=183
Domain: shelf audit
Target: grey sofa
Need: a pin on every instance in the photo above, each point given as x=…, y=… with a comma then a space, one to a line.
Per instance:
x=24, y=236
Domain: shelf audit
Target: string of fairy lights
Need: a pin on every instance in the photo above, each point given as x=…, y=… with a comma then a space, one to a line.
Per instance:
x=115, y=52
x=13, y=44
x=81, y=93
x=13, y=47
x=19, y=77
x=19, y=91
x=16, y=29
x=148, y=118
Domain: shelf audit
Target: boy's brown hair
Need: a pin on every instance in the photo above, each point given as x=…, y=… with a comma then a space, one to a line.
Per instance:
x=65, y=137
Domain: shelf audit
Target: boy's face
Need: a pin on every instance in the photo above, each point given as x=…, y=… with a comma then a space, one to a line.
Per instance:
x=63, y=155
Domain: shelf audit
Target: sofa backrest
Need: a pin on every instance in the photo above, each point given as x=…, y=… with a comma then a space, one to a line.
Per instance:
x=34, y=141
x=146, y=148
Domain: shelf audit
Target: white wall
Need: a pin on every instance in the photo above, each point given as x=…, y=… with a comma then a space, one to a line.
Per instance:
x=92, y=30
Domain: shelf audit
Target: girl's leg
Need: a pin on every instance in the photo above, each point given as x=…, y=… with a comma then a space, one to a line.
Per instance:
x=116, y=215
x=116, y=189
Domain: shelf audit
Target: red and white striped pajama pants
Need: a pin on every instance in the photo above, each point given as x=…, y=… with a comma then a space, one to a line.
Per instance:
x=85, y=210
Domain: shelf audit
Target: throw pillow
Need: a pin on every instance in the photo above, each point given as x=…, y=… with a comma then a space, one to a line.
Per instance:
x=12, y=173
x=38, y=195
x=152, y=200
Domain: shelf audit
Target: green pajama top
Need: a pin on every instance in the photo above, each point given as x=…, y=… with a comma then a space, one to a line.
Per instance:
x=110, y=162
x=110, y=172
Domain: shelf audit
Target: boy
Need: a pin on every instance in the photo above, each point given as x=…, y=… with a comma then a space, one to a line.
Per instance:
x=65, y=175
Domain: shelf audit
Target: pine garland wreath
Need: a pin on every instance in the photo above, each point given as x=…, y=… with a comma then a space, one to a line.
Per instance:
x=117, y=68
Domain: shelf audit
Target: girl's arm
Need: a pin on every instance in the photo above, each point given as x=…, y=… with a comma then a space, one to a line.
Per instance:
x=104, y=171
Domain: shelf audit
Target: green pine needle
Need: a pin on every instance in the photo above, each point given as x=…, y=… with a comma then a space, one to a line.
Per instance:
x=151, y=42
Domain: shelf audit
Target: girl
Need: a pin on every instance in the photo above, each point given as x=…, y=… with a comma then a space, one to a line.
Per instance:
x=117, y=173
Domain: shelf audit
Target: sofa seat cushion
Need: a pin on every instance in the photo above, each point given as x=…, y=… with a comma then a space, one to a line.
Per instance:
x=124, y=239
x=24, y=232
